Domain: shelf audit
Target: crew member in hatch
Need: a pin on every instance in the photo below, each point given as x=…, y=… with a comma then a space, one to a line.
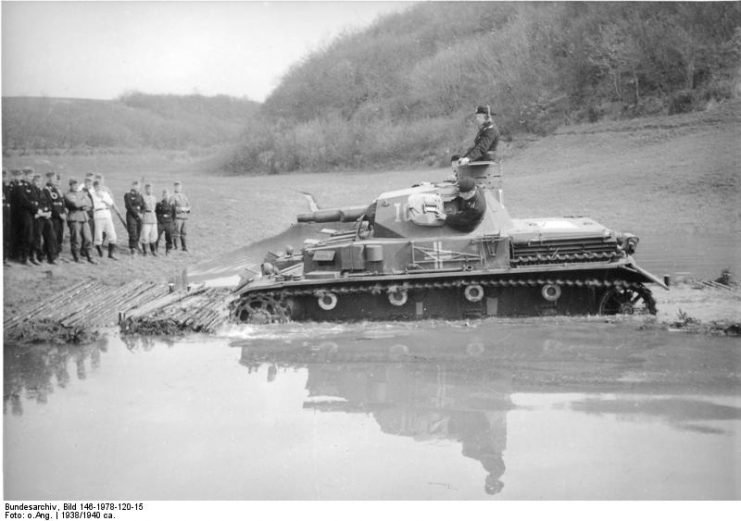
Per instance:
x=471, y=207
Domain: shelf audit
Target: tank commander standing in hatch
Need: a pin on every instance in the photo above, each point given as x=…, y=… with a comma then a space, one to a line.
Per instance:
x=486, y=140
x=471, y=207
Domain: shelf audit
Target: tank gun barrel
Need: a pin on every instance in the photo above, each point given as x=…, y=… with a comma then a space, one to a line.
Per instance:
x=332, y=215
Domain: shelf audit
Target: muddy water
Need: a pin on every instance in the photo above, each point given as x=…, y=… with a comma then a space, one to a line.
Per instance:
x=430, y=410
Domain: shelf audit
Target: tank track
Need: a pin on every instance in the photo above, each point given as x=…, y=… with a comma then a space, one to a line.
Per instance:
x=271, y=308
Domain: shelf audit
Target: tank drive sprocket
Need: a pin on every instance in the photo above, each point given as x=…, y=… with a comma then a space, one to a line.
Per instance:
x=262, y=309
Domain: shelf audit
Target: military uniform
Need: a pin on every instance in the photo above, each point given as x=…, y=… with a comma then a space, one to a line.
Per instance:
x=25, y=201
x=485, y=142
x=91, y=212
x=102, y=204
x=58, y=214
x=7, y=227
x=134, y=204
x=45, y=240
x=149, y=223
x=182, y=209
x=165, y=211
x=79, y=204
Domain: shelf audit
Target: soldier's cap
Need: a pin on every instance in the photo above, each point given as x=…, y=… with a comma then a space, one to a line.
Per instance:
x=456, y=157
x=72, y=181
x=51, y=174
x=28, y=170
x=36, y=176
x=16, y=172
x=466, y=184
x=90, y=174
x=147, y=185
x=485, y=109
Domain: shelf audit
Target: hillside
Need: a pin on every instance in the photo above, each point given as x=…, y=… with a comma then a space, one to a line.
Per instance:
x=133, y=121
x=402, y=91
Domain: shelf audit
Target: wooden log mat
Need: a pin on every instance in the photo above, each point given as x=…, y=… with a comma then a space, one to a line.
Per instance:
x=203, y=311
x=75, y=314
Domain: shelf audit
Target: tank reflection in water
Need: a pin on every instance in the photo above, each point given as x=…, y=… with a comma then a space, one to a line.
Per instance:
x=430, y=410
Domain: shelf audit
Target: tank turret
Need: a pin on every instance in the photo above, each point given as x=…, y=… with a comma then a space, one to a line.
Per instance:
x=400, y=259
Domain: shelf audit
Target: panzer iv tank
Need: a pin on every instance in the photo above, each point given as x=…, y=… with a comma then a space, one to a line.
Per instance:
x=394, y=260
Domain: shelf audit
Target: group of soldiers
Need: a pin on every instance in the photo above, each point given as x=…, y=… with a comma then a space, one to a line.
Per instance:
x=35, y=213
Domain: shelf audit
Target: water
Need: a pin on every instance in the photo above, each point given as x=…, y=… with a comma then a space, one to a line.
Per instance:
x=495, y=409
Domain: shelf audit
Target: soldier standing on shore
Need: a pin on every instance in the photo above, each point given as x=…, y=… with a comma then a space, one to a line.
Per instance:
x=7, y=236
x=149, y=221
x=182, y=210
x=88, y=190
x=165, y=211
x=45, y=241
x=79, y=203
x=102, y=205
x=26, y=204
x=58, y=209
x=134, y=204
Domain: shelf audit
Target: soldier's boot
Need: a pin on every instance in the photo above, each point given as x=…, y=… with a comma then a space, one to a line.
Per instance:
x=144, y=249
x=153, y=248
x=89, y=258
x=182, y=244
x=111, y=249
x=174, y=243
x=99, y=249
x=75, y=257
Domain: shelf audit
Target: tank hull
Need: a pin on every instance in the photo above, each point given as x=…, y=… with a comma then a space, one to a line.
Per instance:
x=432, y=251
x=507, y=293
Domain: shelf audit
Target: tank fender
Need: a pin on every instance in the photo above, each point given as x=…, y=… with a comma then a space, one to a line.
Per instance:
x=647, y=275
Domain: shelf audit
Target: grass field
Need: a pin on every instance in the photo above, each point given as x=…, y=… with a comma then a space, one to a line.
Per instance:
x=672, y=175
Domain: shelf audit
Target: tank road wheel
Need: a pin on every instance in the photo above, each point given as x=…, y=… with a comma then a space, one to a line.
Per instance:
x=551, y=292
x=398, y=296
x=326, y=300
x=262, y=309
x=627, y=301
x=474, y=293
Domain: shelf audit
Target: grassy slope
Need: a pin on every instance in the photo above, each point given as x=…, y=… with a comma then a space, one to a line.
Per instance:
x=667, y=174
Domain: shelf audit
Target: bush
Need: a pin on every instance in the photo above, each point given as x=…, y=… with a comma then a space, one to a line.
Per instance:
x=681, y=102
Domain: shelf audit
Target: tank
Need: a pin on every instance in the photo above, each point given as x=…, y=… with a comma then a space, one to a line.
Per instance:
x=394, y=259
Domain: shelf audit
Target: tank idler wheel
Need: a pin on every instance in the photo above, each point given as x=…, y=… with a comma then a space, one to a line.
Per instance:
x=263, y=309
x=627, y=301
x=398, y=297
x=474, y=293
x=326, y=300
